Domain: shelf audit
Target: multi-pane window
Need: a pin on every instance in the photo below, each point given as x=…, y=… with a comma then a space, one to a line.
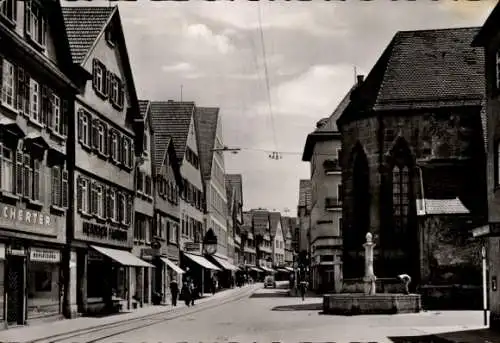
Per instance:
x=8, y=9
x=8, y=77
x=36, y=24
x=98, y=76
x=126, y=152
x=101, y=138
x=56, y=114
x=111, y=204
x=100, y=201
x=83, y=196
x=35, y=100
x=400, y=196
x=7, y=170
x=114, y=145
x=83, y=127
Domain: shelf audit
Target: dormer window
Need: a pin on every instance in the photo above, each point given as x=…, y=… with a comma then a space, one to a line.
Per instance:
x=8, y=10
x=36, y=24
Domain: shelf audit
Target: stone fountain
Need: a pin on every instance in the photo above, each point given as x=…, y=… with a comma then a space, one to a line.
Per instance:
x=370, y=302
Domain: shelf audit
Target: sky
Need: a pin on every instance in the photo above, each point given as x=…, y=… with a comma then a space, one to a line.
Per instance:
x=213, y=51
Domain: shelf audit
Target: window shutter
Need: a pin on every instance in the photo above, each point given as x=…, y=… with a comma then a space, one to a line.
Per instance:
x=80, y=124
x=20, y=88
x=36, y=179
x=120, y=208
x=95, y=65
x=121, y=93
x=107, y=83
x=65, y=117
x=95, y=133
x=65, y=189
x=50, y=109
x=93, y=199
x=19, y=172
x=129, y=211
x=56, y=186
x=27, y=99
x=107, y=202
x=121, y=149
x=111, y=135
x=44, y=105
x=105, y=140
x=130, y=153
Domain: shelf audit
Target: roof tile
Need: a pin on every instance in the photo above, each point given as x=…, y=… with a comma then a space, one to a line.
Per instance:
x=260, y=219
x=445, y=206
x=170, y=118
x=83, y=26
x=206, y=119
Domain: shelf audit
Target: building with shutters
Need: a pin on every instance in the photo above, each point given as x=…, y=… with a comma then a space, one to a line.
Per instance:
x=322, y=150
x=102, y=181
x=277, y=239
x=36, y=106
x=234, y=182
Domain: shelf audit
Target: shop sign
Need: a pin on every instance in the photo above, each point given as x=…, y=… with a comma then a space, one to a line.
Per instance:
x=26, y=219
x=16, y=251
x=192, y=247
x=104, y=232
x=45, y=255
x=149, y=253
x=94, y=256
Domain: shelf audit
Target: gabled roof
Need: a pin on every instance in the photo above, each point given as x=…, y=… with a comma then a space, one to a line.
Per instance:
x=285, y=225
x=422, y=69
x=144, y=111
x=161, y=142
x=236, y=182
x=247, y=221
x=274, y=219
x=83, y=26
x=305, y=189
x=260, y=220
x=206, y=119
x=173, y=118
x=489, y=28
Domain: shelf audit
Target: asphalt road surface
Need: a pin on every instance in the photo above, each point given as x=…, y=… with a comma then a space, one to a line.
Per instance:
x=269, y=315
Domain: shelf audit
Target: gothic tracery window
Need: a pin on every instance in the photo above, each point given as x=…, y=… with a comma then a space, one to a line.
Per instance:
x=400, y=197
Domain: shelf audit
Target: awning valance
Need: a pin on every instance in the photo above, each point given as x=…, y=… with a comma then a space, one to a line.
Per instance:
x=267, y=269
x=226, y=265
x=172, y=265
x=203, y=262
x=283, y=270
x=290, y=269
x=123, y=257
x=255, y=269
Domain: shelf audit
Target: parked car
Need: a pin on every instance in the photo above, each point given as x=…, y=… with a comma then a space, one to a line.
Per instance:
x=269, y=281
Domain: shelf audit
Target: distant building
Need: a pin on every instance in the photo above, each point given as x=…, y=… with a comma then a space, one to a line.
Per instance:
x=235, y=183
x=323, y=151
x=413, y=166
x=304, y=224
x=288, y=224
x=277, y=239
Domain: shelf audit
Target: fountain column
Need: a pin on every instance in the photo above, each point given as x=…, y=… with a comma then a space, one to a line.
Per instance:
x=370, y=277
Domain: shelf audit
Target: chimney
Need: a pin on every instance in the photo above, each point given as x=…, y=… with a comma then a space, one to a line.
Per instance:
x=360, y=78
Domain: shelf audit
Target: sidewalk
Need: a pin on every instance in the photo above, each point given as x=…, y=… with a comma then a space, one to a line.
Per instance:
x=471, y=336
x=44, y=330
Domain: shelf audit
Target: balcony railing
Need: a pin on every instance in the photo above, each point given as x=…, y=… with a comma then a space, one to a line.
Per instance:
x=333, y=203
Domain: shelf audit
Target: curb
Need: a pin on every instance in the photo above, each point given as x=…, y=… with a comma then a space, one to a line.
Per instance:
x=173, y=310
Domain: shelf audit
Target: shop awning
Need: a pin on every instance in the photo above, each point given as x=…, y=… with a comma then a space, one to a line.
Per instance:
x=226, y=265
x=202, y=261
x=255, y=269
x=267, y=269
x=283, y=270
x=172, y=265
x=123, y=257
x=290, y=269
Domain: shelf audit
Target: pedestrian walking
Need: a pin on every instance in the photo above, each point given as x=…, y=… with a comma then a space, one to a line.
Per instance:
x=303, y=288
x=192, y=291
x=186, y=293
x=174, y=291
x=214, y=284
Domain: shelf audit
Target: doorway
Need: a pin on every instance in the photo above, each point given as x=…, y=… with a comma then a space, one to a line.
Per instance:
x=16, y=282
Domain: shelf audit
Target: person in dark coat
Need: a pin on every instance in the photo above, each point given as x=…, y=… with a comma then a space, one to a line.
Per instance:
x=186, y=293
x=174, y=291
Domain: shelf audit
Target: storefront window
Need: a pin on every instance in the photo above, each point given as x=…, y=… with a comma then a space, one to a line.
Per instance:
x=95, y=271
x=43, y=289
x=119, y=282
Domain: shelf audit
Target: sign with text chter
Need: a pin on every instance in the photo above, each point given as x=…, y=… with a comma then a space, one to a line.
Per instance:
x=12, y=217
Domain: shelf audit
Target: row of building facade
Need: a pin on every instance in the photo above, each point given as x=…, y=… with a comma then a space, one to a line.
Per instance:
x=106, y=198
x=410, y=155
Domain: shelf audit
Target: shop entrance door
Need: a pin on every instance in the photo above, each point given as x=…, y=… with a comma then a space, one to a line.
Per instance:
x=15, y=290
x=146, y=285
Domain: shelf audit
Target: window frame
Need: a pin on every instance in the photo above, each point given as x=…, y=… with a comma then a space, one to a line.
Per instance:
x=85, y=194
x=11, y=162
x=35, y=108
x=11, y=18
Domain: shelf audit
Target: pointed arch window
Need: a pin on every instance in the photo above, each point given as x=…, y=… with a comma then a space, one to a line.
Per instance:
x=400, y=196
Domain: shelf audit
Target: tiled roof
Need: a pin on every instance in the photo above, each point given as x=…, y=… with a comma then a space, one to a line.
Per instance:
x=83, y=26
x=260, y=220
x=305, y=189
x=206, y=119
x=285, y=225
x=236, y=181
x=274, y=219
x=143, y=107
x=433, y=65
x=161, y=143
x=173, y=119
x=445, y=206
x=422, y=69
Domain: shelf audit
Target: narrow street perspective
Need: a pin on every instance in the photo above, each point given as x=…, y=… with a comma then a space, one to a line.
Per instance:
x=249, y=171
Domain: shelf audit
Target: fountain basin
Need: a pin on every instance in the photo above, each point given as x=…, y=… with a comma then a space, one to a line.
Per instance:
x=349, y=304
